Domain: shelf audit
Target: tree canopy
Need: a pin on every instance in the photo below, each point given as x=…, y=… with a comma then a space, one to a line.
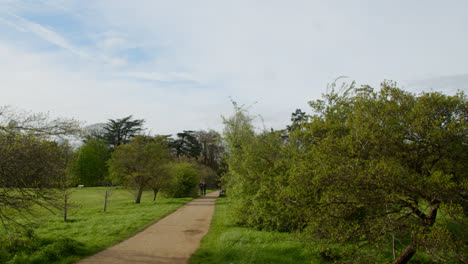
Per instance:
x=120, y=131
x=377, y=169
x=139, y=163
x=32, y=164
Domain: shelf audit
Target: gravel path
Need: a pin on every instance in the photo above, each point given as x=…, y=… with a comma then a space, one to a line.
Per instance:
x=171, y=240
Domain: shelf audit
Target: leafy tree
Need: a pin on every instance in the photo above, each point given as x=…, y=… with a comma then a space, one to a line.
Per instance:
x=120, y=131
x=383, y=165
x=211, y=148
x=187, y=144
x=297, y=118
x=31, y=165
x=185, y=181
x=379, y=170
x=94, y=131
x=139, y=163
x=90, y=164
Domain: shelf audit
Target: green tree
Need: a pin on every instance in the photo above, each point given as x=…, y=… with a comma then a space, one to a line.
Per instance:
x=187, y=144
x=89, y=166
x=120, y=131
x=383, y=165
x=139, y=163
x=185, y=180
x=211, y=148
x=32, y=166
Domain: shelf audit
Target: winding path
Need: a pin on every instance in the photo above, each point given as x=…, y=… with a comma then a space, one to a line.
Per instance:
x=171, y=240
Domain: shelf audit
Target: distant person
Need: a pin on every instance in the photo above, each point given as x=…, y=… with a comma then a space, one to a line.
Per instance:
x=204, y=189
x=201, y=188
x=218, y=187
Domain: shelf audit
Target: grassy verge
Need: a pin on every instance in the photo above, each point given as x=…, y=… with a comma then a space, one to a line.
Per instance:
x=89, y=228
x=228, y=243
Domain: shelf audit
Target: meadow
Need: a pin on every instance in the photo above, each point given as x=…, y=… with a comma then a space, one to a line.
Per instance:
x=227, y=242
x=89, y=229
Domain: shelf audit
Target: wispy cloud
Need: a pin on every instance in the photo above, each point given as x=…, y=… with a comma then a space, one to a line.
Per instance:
x=44, y=33
x=176, y=63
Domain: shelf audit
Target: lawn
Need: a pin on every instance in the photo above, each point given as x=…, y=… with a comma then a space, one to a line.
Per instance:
x=89, y=228
x=228, y=243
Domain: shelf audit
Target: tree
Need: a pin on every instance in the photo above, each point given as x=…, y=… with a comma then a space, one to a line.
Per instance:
x=120, y=131
x=381, y=171
x=211, y=149
x=187, y=144
x=94, y=131
x=383, y=165
x=140, y=162
x=185, y=180
x=89, y=167
x=297, y=118
x=32, y=166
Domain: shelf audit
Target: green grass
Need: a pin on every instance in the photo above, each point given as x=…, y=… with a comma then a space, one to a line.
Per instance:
x=89, y=228
x=228, y=243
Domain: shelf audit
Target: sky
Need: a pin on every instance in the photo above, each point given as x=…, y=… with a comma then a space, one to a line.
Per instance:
x=178, y=64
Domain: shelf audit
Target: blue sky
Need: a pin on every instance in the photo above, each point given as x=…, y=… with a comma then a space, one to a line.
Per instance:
x=177, y=63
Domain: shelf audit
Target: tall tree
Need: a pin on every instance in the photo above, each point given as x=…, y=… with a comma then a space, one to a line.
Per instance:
x=32, y=166
x=297, y=118
x=89, y=166
x=120, y=131
x=383, y=165
x=211, y=148
x=139, y=163
x=187, y=144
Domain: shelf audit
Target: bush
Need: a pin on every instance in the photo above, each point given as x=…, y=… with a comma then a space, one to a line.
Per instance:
x=185, y=180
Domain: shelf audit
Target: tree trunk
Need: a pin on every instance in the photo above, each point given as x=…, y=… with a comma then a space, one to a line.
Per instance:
x=65, y=208
x=428, y=221
x=406, y=255
x=105, y=202
x=140, y=192
x=155, y=192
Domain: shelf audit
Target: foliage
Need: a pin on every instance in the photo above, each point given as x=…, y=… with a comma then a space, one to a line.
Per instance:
x=212, y=149
x=140, y=162
x=120, y=131
x=187, y=144
x=89, y=167
x=388, y=167
x=32, y=166
x=95, y=131
x=185, y=180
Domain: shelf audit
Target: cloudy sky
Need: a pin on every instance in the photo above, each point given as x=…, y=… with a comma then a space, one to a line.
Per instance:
x=176, y=64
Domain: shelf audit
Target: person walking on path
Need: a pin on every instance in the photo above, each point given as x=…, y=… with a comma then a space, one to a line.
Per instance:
x=204, y=189
x=201, y=185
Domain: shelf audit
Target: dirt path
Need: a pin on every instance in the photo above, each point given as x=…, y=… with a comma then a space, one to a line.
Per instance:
x=171, y=240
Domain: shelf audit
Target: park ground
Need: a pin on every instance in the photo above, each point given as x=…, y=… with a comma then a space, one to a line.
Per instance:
x=89, y=229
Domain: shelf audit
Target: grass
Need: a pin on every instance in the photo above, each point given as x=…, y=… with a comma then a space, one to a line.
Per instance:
x=228, y=243
x=89, y=228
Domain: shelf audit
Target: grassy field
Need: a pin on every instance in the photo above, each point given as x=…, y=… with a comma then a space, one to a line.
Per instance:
x=89, y=228
x=228, y=243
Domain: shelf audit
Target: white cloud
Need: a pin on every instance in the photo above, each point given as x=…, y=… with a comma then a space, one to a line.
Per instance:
x=195, y=54
x=45, y=34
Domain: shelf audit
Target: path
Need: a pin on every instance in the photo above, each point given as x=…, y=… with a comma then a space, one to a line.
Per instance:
x=171, y=240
